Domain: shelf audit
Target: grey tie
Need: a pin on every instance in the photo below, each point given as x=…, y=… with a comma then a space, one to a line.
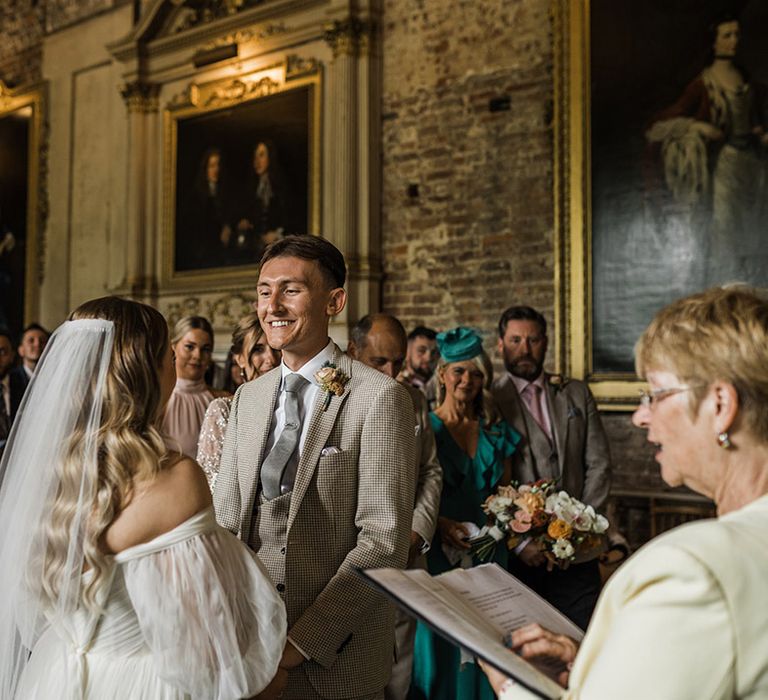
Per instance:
x=274, y=465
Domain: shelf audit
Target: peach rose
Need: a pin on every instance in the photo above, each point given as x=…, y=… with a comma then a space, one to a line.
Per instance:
x=530, y=501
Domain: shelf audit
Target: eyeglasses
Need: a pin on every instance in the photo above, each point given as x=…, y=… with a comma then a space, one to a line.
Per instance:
x=648, y=399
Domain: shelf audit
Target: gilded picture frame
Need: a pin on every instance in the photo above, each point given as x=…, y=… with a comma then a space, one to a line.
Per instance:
x=23, y=202
x=242, y=168
x=631, y=233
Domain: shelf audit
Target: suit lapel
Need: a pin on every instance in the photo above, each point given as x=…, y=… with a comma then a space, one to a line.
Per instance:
x=320, y=427
x=558, y=410
x=252, y=439
x=508, y=396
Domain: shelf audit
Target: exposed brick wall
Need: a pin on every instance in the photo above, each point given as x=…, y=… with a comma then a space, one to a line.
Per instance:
x=478, y=234
x=22, y=23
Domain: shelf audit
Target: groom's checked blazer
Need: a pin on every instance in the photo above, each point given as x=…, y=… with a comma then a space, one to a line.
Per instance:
x=351, y=506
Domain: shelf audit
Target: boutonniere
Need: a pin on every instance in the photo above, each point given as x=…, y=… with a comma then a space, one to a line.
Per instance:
x=557, y=381
x=331, y=380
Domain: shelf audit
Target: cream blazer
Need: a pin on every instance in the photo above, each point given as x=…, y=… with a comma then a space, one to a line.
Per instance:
x=684, y=619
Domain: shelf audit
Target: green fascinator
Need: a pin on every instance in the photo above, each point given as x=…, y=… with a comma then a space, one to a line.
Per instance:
x=459, y=344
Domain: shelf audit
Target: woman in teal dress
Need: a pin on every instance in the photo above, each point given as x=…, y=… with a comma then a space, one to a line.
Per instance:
x=475, y=448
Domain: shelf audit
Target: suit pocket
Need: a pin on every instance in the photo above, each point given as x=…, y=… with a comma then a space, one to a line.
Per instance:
x=337, y=478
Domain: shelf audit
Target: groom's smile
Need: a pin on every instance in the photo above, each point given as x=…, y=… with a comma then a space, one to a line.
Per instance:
x=294, y=305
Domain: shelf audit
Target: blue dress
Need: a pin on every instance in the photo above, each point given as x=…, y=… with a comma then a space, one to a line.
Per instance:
x=467, y=482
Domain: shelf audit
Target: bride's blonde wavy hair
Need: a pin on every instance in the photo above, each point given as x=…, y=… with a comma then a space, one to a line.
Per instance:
x=128, y=442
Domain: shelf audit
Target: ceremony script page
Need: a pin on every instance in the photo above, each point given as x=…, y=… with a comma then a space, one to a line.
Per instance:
x=475, y=608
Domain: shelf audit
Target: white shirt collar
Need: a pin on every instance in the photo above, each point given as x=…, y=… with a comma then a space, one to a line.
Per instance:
x=309, y=368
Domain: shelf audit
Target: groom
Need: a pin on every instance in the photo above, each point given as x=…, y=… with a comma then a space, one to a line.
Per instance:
x=316, y=476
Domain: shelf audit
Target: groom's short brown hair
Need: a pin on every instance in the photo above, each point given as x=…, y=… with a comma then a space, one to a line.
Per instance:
x=323, y=252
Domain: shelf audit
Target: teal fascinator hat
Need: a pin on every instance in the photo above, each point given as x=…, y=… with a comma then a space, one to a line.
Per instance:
x=459, y=344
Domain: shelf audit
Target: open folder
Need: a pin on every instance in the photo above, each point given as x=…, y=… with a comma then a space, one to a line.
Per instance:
x=474, y=609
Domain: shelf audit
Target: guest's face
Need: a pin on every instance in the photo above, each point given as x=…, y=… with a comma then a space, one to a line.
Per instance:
x=463, y=381
x=422, y=356
x=384, y=350
x=32, y=345
x=683, y=442
x=295, y=304
x=257, y=357
x=6, y=355
x=523, y=348
x=193, y=354
x=261, y=159
x=727, y=40
x=213, y=166
x=167, y=376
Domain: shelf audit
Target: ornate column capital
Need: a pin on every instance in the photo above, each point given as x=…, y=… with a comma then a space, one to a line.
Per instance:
x=140, y=96
x=349, y=37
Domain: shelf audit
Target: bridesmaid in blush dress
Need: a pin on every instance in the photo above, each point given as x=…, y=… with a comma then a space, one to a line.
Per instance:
x=192, y=344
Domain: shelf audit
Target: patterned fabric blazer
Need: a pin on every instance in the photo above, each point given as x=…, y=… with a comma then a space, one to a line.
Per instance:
x=351, y=507
x=584, y=460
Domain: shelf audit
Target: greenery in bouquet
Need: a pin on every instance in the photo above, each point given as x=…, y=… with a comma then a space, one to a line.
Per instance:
x=563, y=526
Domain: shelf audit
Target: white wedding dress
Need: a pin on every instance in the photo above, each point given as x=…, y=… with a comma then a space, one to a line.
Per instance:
x=191, y=614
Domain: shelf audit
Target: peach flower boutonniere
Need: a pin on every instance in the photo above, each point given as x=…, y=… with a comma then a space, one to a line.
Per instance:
x=332, y=381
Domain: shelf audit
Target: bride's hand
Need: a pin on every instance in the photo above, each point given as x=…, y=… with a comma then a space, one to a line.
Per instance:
x=276, y=686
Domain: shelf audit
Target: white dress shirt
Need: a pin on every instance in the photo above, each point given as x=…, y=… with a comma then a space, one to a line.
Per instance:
x=306, y=397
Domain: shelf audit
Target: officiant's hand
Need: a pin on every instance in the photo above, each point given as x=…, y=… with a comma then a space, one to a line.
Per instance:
x=533, y=641
x=453, y=533
x=531, y=554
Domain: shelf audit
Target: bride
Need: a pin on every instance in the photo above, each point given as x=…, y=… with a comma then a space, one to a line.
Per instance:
x=115, y=580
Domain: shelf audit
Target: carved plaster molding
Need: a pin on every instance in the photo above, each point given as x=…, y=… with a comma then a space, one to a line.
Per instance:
x=221, y=94
x=204, y=11
x=176, y=310
x=349, y=37
x=297, y=66
x=141, y=96
x=42, y=198
x=223, y=312
x=226, y=312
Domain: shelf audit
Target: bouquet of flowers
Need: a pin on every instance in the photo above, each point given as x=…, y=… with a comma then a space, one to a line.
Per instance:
x=564, y=527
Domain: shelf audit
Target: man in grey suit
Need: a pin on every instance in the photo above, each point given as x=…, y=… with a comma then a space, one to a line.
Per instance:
x=317, y=477
x=379, y=341
x=563, y=439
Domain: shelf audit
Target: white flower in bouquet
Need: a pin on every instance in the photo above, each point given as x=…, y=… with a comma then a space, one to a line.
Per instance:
x=499, y=504
x=564, y=507
x=562, y=549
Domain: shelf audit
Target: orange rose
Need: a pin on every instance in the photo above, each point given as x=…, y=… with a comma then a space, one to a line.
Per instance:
x=559, y=530
x=530, y=502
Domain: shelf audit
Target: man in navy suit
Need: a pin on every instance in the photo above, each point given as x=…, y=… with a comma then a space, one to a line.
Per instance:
x=31, y=346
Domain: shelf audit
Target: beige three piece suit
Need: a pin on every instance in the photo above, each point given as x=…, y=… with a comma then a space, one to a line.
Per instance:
x=351, y=506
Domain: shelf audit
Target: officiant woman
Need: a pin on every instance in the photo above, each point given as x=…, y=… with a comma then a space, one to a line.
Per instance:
x=685, y=617
x=475, y=447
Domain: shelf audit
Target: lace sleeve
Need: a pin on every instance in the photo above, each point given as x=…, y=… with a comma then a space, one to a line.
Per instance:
x=211, y=439
x=210, y=615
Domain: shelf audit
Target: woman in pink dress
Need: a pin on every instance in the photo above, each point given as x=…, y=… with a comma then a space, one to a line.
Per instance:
x=192, y=345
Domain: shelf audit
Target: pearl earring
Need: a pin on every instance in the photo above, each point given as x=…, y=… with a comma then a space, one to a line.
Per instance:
x=724, y=440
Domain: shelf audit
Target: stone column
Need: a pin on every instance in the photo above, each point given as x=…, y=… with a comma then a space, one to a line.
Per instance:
x=142, y=103
x=352, y=162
